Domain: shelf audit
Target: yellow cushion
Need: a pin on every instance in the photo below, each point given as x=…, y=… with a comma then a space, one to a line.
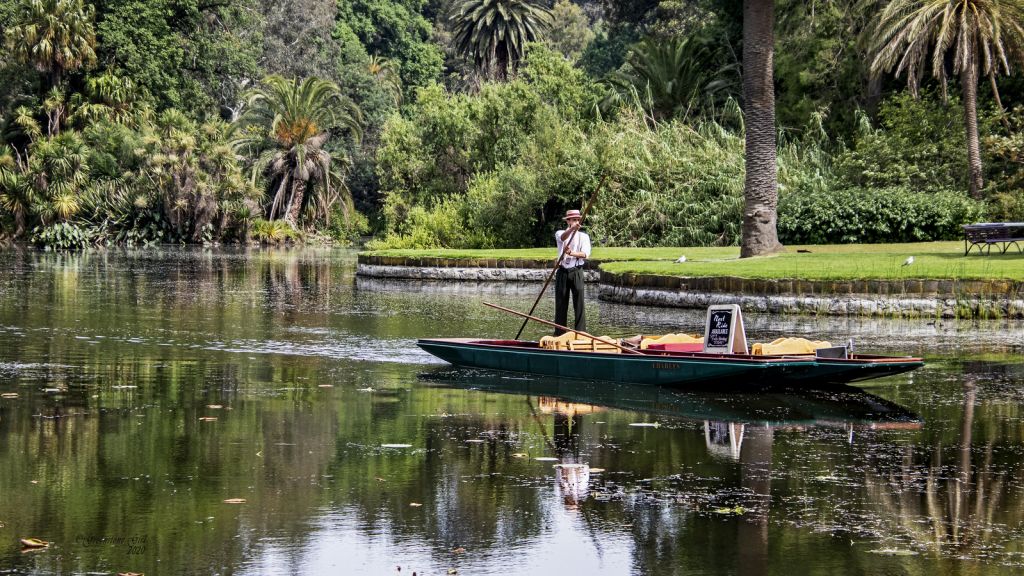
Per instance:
x=671, y=339
x=788, y=346
x=573, y=341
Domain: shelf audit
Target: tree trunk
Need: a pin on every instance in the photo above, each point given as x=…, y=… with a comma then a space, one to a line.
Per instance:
x=755, y=477
x=874, y=94
x=969, y=87
x=295, y=206
x=760, y=192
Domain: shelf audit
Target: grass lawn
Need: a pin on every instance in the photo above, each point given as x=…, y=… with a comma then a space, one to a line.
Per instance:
x=940, y=260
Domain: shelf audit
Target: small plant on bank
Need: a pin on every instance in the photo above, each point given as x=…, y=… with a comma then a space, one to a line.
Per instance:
x=64, y=236
x=274, y=232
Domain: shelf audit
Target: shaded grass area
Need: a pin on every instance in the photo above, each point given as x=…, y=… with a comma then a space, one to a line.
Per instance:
x=933, y=260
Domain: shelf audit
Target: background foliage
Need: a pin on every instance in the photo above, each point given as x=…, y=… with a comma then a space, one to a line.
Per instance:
x=136, y=145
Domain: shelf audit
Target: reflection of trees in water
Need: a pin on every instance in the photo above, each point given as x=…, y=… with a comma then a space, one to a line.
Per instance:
x=967, y=501
x=140, y=463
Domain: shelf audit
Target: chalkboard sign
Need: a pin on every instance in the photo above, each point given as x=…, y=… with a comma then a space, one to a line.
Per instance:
x=719, y=329
x=723, y=330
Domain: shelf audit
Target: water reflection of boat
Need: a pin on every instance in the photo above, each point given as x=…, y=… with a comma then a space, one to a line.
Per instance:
x=839, y=406
x=665, y=368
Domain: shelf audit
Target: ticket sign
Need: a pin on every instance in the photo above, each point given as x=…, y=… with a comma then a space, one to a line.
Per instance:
x=723, y=331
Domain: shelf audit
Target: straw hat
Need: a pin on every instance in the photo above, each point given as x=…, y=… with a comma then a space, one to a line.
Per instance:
x=569, y=214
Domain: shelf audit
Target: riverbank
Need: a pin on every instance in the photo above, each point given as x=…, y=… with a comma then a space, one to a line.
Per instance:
x=864, y=280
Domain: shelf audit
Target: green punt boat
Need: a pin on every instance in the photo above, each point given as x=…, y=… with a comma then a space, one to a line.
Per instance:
x=662, y=368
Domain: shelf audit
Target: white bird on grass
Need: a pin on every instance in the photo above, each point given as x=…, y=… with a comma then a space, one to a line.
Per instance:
x=681, y=259
x=908, y=261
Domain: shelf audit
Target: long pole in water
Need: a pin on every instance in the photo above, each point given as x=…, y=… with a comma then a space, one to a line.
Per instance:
x=549, y=323
x=565, y=250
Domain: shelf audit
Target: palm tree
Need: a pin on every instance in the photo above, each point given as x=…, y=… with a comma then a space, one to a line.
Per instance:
x=55, y=36
x=385, y=72
x=293, y=121
x=58, y=172
x=494, y=33
x=963, y=37
x=669, y=76
x=16, y=195
x=760, y=191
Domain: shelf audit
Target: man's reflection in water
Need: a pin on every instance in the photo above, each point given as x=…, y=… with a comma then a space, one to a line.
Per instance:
x=573, y=476
x=724, y=438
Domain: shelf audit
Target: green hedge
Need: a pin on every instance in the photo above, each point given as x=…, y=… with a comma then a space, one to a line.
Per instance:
x=874, y=215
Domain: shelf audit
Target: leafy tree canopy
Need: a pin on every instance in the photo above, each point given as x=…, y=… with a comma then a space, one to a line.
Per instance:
x=395, y=29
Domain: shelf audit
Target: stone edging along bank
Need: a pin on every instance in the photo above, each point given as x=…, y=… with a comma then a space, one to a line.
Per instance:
x=462, y=269
x=899, y=298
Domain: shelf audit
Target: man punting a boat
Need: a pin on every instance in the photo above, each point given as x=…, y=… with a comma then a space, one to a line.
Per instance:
x=569, y=278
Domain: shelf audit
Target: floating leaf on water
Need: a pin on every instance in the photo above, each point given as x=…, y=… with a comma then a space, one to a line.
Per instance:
x=214, y=406
x=34, y=543
x=396, y=445
x=546, y=459
x=235, y=501
x=459, y=550
x=738, y=510
x=379, y=479
x=453, y=571
x=208, y=419
x=893, y=552
x=645, y=424
x=415, y=504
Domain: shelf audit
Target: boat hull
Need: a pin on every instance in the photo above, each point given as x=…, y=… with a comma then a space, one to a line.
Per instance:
x=663, y=369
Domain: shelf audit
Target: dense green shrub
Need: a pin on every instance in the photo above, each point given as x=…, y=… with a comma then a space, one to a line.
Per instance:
x=919, y=144
x=508, y=156
x=872, y=215
x=1004, y=163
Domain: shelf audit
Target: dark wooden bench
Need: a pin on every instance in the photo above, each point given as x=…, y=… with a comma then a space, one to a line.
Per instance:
x=984, y=235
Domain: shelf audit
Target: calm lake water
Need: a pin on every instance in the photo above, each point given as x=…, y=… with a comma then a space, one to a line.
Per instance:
x=142, y=389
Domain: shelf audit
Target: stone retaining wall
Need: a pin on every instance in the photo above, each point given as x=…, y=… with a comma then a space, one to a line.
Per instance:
x=903, y=298
x=890, y=298
x=461, y=269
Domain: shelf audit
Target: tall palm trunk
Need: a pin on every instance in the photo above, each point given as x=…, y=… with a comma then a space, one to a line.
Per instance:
x=760, y=191
x=969, y=89
x=295, y=205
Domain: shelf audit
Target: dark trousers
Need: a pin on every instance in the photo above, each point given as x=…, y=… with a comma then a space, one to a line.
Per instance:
x=569, y=282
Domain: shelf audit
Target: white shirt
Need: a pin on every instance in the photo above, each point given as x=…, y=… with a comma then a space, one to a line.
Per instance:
x=580, y=243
